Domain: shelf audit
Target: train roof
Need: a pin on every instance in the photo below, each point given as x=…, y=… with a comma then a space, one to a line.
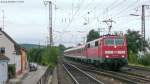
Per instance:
x=110, y=35
x=93, y=40
x=75, y=48
x=82, y=46
x=103, y=36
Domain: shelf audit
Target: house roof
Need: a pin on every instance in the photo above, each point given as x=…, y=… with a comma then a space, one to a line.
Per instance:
x=3, y=57
x=8, y=37
x=17, y=46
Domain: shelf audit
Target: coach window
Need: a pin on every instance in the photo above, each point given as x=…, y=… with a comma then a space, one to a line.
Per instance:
x=88, y=45
x=96, y=43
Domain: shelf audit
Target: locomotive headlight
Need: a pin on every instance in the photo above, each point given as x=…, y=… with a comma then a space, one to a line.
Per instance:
x=107, y=56
x=122, y=56
x=108, y=52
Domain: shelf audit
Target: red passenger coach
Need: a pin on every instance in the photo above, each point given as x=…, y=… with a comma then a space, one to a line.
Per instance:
x=108, y=51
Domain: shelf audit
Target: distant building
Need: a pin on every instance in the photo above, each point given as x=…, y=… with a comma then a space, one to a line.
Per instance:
x=14, y=52
x=3, y=69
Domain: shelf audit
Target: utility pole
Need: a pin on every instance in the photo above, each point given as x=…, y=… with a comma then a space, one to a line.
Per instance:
x=143, y=20
x=142, y=23
x=50, y=23
x=109, y=23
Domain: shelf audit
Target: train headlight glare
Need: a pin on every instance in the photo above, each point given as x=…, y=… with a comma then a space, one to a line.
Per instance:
x=123, y=56
x=107, y=56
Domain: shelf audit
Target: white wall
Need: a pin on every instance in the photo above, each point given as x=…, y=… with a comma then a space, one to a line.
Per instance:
x=3, y=72
x=10, y=51
x=9, y=48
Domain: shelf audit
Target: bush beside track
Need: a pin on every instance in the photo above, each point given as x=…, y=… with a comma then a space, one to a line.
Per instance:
x=46, y=56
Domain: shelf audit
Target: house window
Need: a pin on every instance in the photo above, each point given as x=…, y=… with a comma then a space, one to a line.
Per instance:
x=2, y=50
x=96, y=43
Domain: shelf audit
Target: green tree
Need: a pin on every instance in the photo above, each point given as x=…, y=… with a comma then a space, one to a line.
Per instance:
x=92, y=35
x=135, y=42
x=61, y=48
x=44, y=56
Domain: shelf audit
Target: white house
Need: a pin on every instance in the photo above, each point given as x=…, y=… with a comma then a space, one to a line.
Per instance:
x=13, y=51
x=3, y=69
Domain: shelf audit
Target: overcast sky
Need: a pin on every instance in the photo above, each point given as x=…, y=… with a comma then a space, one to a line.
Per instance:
x=28, y=22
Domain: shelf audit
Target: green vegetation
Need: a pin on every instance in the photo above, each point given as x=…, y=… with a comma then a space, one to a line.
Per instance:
x=61, y=48
x=11, y=70
x=135, y=41
x=44, y=56
x=92, y=35
x=136, y=44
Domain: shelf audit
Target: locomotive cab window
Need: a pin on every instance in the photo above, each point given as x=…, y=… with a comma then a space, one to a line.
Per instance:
x=119, y=41
x=109, y=42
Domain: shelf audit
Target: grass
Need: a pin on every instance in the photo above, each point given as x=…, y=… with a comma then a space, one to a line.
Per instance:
x=134, y=59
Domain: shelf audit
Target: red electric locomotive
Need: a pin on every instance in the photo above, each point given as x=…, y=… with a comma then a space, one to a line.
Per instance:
x=109, y=51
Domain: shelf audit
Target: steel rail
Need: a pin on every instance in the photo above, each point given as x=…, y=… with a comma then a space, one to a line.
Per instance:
x=123, y=76
x=139, y=67
x=72, y=77
x=103, y=72
x=132, y=78
x=85, y=75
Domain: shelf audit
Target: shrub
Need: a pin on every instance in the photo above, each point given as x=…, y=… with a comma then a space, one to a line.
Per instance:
x=145, y=60
x=45, y=56
x=132, y=58
x=11, y=70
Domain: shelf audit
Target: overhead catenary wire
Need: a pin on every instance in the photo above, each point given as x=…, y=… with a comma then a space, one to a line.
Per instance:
x=75, y=14
x=111, y=8
x=108, y=7
x=126, y=9
x=120, y=15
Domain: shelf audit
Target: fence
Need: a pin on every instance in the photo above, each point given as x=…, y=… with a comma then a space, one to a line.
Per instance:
x=44, y=79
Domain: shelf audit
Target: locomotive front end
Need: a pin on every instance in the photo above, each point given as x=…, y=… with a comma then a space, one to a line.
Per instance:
x=115, y=51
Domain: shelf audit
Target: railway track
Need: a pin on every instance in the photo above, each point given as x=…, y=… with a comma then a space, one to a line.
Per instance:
x=128, y=77
x=139, y=68
x=133, y=77
x=79, y=76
